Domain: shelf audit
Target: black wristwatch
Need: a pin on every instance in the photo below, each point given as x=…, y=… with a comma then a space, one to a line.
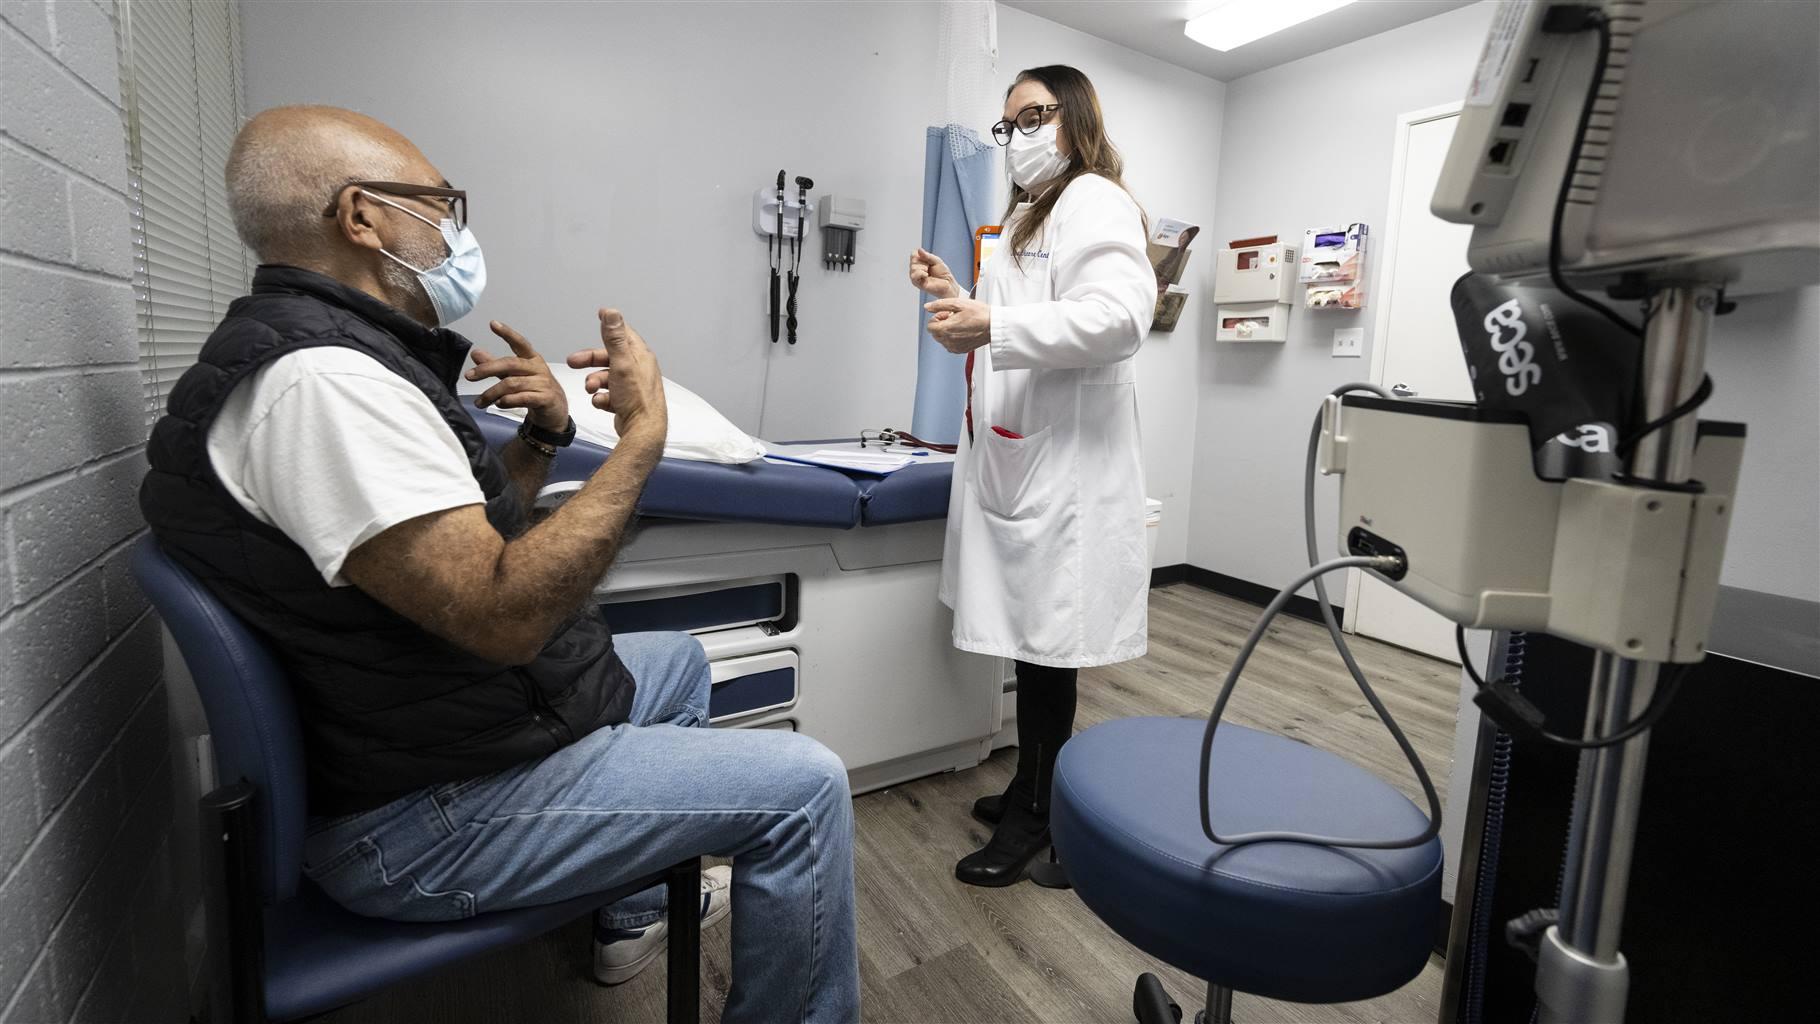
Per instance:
x=548, y=438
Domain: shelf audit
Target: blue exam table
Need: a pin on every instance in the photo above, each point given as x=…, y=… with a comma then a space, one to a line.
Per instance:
x=761, y=492
x=814, y=594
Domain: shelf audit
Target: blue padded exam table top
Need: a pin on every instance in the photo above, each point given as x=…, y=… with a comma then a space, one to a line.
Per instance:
x=760, y=492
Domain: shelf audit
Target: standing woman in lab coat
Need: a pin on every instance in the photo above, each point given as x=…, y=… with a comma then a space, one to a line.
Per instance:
x=1045, y=560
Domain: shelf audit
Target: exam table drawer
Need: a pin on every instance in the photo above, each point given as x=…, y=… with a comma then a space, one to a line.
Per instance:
x=748, y=686
x=696, y=609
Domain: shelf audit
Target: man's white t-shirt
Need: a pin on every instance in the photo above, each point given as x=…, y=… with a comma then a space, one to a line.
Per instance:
x=333, y=449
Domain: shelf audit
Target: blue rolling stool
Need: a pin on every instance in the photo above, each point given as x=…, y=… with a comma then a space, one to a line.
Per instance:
x=1291, y=921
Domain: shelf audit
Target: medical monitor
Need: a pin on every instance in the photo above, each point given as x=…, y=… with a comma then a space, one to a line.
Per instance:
x=1701, y=158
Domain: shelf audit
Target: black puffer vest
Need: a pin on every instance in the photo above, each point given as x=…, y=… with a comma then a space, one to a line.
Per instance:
x=387, y=707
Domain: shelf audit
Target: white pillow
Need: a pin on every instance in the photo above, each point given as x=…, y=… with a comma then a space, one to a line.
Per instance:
x=698, y=431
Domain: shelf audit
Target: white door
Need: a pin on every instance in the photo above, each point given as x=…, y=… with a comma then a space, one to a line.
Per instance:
x=1416, y=344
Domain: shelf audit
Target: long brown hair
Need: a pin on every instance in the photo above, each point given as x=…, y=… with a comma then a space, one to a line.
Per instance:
x=1085, y=128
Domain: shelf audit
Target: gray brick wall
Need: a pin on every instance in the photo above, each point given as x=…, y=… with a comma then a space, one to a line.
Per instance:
x=90, y=917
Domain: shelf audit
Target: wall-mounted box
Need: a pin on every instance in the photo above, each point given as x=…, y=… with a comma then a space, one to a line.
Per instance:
x=1252, y=321
x=1334, y=255
x=1255, y=273
x=1333, y=267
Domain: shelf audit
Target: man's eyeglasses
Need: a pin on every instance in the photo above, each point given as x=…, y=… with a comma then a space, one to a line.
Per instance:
x=454, y=199
x=1028, y=120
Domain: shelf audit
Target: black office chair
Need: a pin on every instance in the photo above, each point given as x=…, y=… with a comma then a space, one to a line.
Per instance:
x=291, y=952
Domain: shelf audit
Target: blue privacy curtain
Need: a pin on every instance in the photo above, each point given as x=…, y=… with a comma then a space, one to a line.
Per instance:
x=957, y=195
x=960, y=172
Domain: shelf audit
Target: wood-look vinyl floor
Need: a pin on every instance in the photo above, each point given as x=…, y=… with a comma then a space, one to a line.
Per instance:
x=933, y=951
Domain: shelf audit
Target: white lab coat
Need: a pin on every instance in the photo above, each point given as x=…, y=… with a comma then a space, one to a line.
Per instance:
x=1045, y=559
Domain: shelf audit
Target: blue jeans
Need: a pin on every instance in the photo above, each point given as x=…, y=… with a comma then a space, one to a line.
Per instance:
x=622, y=803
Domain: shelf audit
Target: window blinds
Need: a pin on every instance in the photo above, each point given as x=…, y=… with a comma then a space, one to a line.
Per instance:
x=180, y=62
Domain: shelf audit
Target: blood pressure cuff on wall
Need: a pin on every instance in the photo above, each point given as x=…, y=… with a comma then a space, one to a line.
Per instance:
x=1534, y=351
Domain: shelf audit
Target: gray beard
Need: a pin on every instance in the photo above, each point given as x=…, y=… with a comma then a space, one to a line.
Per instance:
x=402, y=287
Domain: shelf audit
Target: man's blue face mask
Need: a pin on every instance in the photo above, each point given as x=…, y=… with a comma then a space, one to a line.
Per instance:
x=455, y=284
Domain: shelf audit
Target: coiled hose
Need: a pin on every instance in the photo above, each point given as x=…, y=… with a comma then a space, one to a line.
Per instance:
x=1491, y=844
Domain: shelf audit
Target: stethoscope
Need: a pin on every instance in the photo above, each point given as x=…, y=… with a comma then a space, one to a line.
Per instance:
x=890, y=437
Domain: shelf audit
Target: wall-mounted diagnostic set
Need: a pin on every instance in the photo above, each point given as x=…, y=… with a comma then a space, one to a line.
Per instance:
x=779, y=216
x=782, y=217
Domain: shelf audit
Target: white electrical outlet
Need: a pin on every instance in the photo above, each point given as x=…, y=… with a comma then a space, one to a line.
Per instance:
x=1348, y=342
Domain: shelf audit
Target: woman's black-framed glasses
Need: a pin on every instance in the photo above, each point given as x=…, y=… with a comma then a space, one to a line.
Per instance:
x=455, y=199
x=1028, y=120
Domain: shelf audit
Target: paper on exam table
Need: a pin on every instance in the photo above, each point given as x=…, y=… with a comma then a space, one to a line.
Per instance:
x=871, y=461
x=698, y=432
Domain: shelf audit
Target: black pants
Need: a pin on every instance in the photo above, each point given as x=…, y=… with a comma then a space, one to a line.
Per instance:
x=1045, y=720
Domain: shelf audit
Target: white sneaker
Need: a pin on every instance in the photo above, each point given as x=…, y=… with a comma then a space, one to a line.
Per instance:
x=620, y=954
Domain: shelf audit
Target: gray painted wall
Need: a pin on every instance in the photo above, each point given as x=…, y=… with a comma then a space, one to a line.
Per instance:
x=89, y=907
x=1301, y=150
x=611, y=152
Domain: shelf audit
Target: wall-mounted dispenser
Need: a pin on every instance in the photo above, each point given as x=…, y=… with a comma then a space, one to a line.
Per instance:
x=842, y=217
x=1333, y=267
x=1254, y=289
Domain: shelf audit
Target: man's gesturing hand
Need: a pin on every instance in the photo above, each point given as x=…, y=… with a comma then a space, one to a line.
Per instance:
x=629, y=385
x=525, y=382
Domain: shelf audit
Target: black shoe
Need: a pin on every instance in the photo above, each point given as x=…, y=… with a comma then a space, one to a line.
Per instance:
x=1020, y=837
x=990, y=809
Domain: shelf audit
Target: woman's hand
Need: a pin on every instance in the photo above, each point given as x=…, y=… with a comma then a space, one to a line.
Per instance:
x=525, y=382
x=931, y=275
x=960, y=325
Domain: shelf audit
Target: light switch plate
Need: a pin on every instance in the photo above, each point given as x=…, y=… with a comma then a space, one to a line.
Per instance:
x=1348, y=342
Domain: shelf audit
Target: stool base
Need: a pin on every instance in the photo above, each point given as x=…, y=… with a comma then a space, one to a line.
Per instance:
x=1219, y=1005
x=1151, y=1004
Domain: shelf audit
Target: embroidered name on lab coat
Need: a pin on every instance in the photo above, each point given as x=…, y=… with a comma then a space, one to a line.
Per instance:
x=1040, y=254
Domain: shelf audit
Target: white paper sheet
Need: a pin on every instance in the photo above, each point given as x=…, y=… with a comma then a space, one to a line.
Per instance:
x=854, y=459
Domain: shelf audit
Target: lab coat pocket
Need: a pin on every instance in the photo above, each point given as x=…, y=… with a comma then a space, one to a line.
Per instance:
x=1017, y=475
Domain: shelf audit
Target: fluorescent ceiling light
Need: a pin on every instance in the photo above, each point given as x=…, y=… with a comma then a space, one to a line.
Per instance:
x=1237, y=22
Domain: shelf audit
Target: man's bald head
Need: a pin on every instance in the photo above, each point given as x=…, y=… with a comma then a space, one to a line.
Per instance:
x=287, y=164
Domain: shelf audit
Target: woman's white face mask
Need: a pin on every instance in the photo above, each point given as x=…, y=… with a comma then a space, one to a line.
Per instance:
x=1033, y=159
x=454, y=285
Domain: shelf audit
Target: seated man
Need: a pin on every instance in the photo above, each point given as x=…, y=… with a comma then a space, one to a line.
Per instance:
x=477, y=739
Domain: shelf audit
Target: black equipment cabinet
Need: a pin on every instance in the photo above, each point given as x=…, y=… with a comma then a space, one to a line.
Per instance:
x=1722, y=892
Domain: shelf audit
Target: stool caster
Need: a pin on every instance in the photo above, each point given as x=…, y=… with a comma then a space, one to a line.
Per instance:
x=1151, y=1004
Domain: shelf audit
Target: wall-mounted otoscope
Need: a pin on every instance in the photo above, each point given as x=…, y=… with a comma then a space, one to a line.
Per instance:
x=777, y=252
x=803, y=185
